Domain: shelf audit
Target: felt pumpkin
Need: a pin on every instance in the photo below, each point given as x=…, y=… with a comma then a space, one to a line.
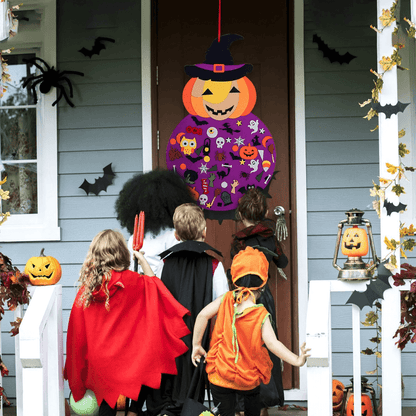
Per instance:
x=219, y=99
x=354, y=242
x=366, y=406
x=43, y=270
x=248, y=152
x=337, y=395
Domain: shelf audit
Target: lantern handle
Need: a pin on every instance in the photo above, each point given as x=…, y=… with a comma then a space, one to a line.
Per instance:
x=376, y=260
x=334, y=262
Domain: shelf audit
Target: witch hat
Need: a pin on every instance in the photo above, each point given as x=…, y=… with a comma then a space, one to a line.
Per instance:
x=219, y=64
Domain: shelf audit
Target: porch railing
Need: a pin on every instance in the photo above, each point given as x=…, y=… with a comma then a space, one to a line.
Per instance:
x=318, y=338
x=39, y=355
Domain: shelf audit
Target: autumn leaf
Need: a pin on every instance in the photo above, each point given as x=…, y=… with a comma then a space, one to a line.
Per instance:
x=398, y=190
x=391, y=168
x=370, y=114
x=15, y=327
x=403, y=150
x=387, y=18
x=374, y=128
x=402, y=133
x=365, y=102
x=387, y=63
x=367, y=351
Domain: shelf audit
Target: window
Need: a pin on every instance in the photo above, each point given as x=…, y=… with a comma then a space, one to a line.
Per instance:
x=28, y=133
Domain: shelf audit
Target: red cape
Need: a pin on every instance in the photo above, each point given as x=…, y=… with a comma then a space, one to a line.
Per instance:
x=116, y=352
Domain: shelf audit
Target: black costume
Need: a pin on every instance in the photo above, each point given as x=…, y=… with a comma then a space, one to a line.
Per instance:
x=188, y=274
x=262, y=234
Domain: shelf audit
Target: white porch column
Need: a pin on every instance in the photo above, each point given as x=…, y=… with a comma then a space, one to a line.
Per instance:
x=388, y=145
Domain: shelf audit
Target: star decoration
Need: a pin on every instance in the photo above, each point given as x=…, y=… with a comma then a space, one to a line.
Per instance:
x=203, y=168
x=239, y=123
x=229, y=139
x=242, y=162
x=239, y=141
x=262, y=131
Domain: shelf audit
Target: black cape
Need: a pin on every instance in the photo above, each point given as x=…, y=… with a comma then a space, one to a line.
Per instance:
x=187, y=273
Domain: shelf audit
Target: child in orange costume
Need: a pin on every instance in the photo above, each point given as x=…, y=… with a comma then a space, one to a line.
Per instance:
x=237, y=360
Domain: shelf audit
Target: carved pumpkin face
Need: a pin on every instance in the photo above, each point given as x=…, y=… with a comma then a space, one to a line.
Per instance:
x=354, y=242
x=337, y=395
x=248, y=152
x=43, y=270
x=219, y=100
x=366, y=406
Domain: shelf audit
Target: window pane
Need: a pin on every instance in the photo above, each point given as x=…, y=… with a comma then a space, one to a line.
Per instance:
x=18, y=70
x=18, y=134
x=22, y=184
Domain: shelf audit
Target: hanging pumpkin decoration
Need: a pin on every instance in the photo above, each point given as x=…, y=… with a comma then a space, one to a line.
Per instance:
x=354, y=242
x=366, y=406
x=219, y=148
x=43, y=270
x=337, y=395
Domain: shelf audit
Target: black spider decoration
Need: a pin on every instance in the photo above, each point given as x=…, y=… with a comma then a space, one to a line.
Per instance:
x=50, y=77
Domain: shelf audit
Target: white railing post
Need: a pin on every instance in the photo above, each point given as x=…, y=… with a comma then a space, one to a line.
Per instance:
x=18, y=313
x=318, y=339
x=41, y=354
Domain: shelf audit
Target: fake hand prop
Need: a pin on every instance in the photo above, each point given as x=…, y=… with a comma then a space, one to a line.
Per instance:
x=138, y=233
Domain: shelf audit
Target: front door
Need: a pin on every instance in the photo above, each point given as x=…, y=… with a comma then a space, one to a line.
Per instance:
x=182, y=31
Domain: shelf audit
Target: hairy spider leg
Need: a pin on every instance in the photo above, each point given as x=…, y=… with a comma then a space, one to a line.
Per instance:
x=33, y=88
x=62, y=92
x=71, y=72
x=30, y=79
x=33, y=61
x=69, y=84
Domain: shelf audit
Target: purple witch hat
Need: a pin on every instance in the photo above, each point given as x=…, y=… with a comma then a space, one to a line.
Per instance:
x=219, y=64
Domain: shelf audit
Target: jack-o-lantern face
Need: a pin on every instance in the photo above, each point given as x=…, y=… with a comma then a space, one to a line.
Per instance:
x=354, y=242
x=337, y=395
x=248, y=152
x=43, y=270
x=366, y=406
x=219, y=100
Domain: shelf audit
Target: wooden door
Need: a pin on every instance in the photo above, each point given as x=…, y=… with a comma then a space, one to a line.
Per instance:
x=181, y=33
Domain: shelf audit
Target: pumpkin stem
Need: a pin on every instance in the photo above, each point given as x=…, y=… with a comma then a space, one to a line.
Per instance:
x=41, y=253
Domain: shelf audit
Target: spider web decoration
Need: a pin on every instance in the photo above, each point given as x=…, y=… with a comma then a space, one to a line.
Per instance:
x=49, y=78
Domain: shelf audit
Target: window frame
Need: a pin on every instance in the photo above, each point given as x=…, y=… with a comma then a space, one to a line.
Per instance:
x=42, y=226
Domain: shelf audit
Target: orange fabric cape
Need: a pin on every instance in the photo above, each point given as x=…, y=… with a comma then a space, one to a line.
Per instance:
x=116, y=352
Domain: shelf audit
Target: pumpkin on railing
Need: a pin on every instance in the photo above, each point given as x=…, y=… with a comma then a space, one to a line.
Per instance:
x=43, y=270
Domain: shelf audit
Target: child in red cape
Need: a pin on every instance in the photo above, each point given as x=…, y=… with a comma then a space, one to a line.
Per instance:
x=124, y=330
x=238, y=361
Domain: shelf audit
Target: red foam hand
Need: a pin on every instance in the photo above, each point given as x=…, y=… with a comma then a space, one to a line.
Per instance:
x=138, y=233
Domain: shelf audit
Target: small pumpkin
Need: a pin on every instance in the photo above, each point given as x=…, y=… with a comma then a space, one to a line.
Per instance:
x=337, y=395
x=354, y=242
x=366, y=406
x=219, y=100
x=248, y=152
x=43, y=270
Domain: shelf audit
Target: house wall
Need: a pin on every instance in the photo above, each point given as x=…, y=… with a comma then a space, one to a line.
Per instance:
x=342, y=160
x=104, y=127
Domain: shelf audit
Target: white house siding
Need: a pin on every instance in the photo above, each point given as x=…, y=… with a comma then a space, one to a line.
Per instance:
x=342, y=159
x=104, y=127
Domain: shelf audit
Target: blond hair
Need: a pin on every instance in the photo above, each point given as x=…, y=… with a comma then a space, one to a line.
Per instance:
x=108, y=251
x=189, y=221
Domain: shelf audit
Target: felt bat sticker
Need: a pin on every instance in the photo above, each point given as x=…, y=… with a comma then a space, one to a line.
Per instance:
x=100, y=184
x=389, y=109
x=199, y=123
x=390, y=207
x=96, y=48
x=332, y=54
x=375, y=289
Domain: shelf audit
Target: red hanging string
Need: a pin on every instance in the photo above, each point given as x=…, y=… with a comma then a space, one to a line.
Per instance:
x=219, y=20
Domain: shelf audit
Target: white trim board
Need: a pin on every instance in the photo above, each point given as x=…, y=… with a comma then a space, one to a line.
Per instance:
x=301, y=202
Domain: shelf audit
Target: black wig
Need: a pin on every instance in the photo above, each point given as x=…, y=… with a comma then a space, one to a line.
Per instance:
x=157, y=193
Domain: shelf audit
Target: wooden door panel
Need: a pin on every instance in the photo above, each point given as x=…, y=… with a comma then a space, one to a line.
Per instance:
x=181, y=35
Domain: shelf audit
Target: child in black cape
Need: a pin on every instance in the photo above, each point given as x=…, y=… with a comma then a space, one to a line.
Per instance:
x=259, y=232
x=194, y=278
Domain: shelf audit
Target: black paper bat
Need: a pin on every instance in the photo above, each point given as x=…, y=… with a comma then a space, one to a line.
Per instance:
x=101, y=183
x=228, y=129
x=97, y=47
x=375, y=289
x=390, y=207
x=332, y=54
x=389, y=109
x=199, y=123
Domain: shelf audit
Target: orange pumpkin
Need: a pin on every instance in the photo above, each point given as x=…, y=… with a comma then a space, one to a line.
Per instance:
x=337, y=395
x=43, y=270
x=248, y=152
x=219, y=99
x=366, y=406
x=354, y=242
